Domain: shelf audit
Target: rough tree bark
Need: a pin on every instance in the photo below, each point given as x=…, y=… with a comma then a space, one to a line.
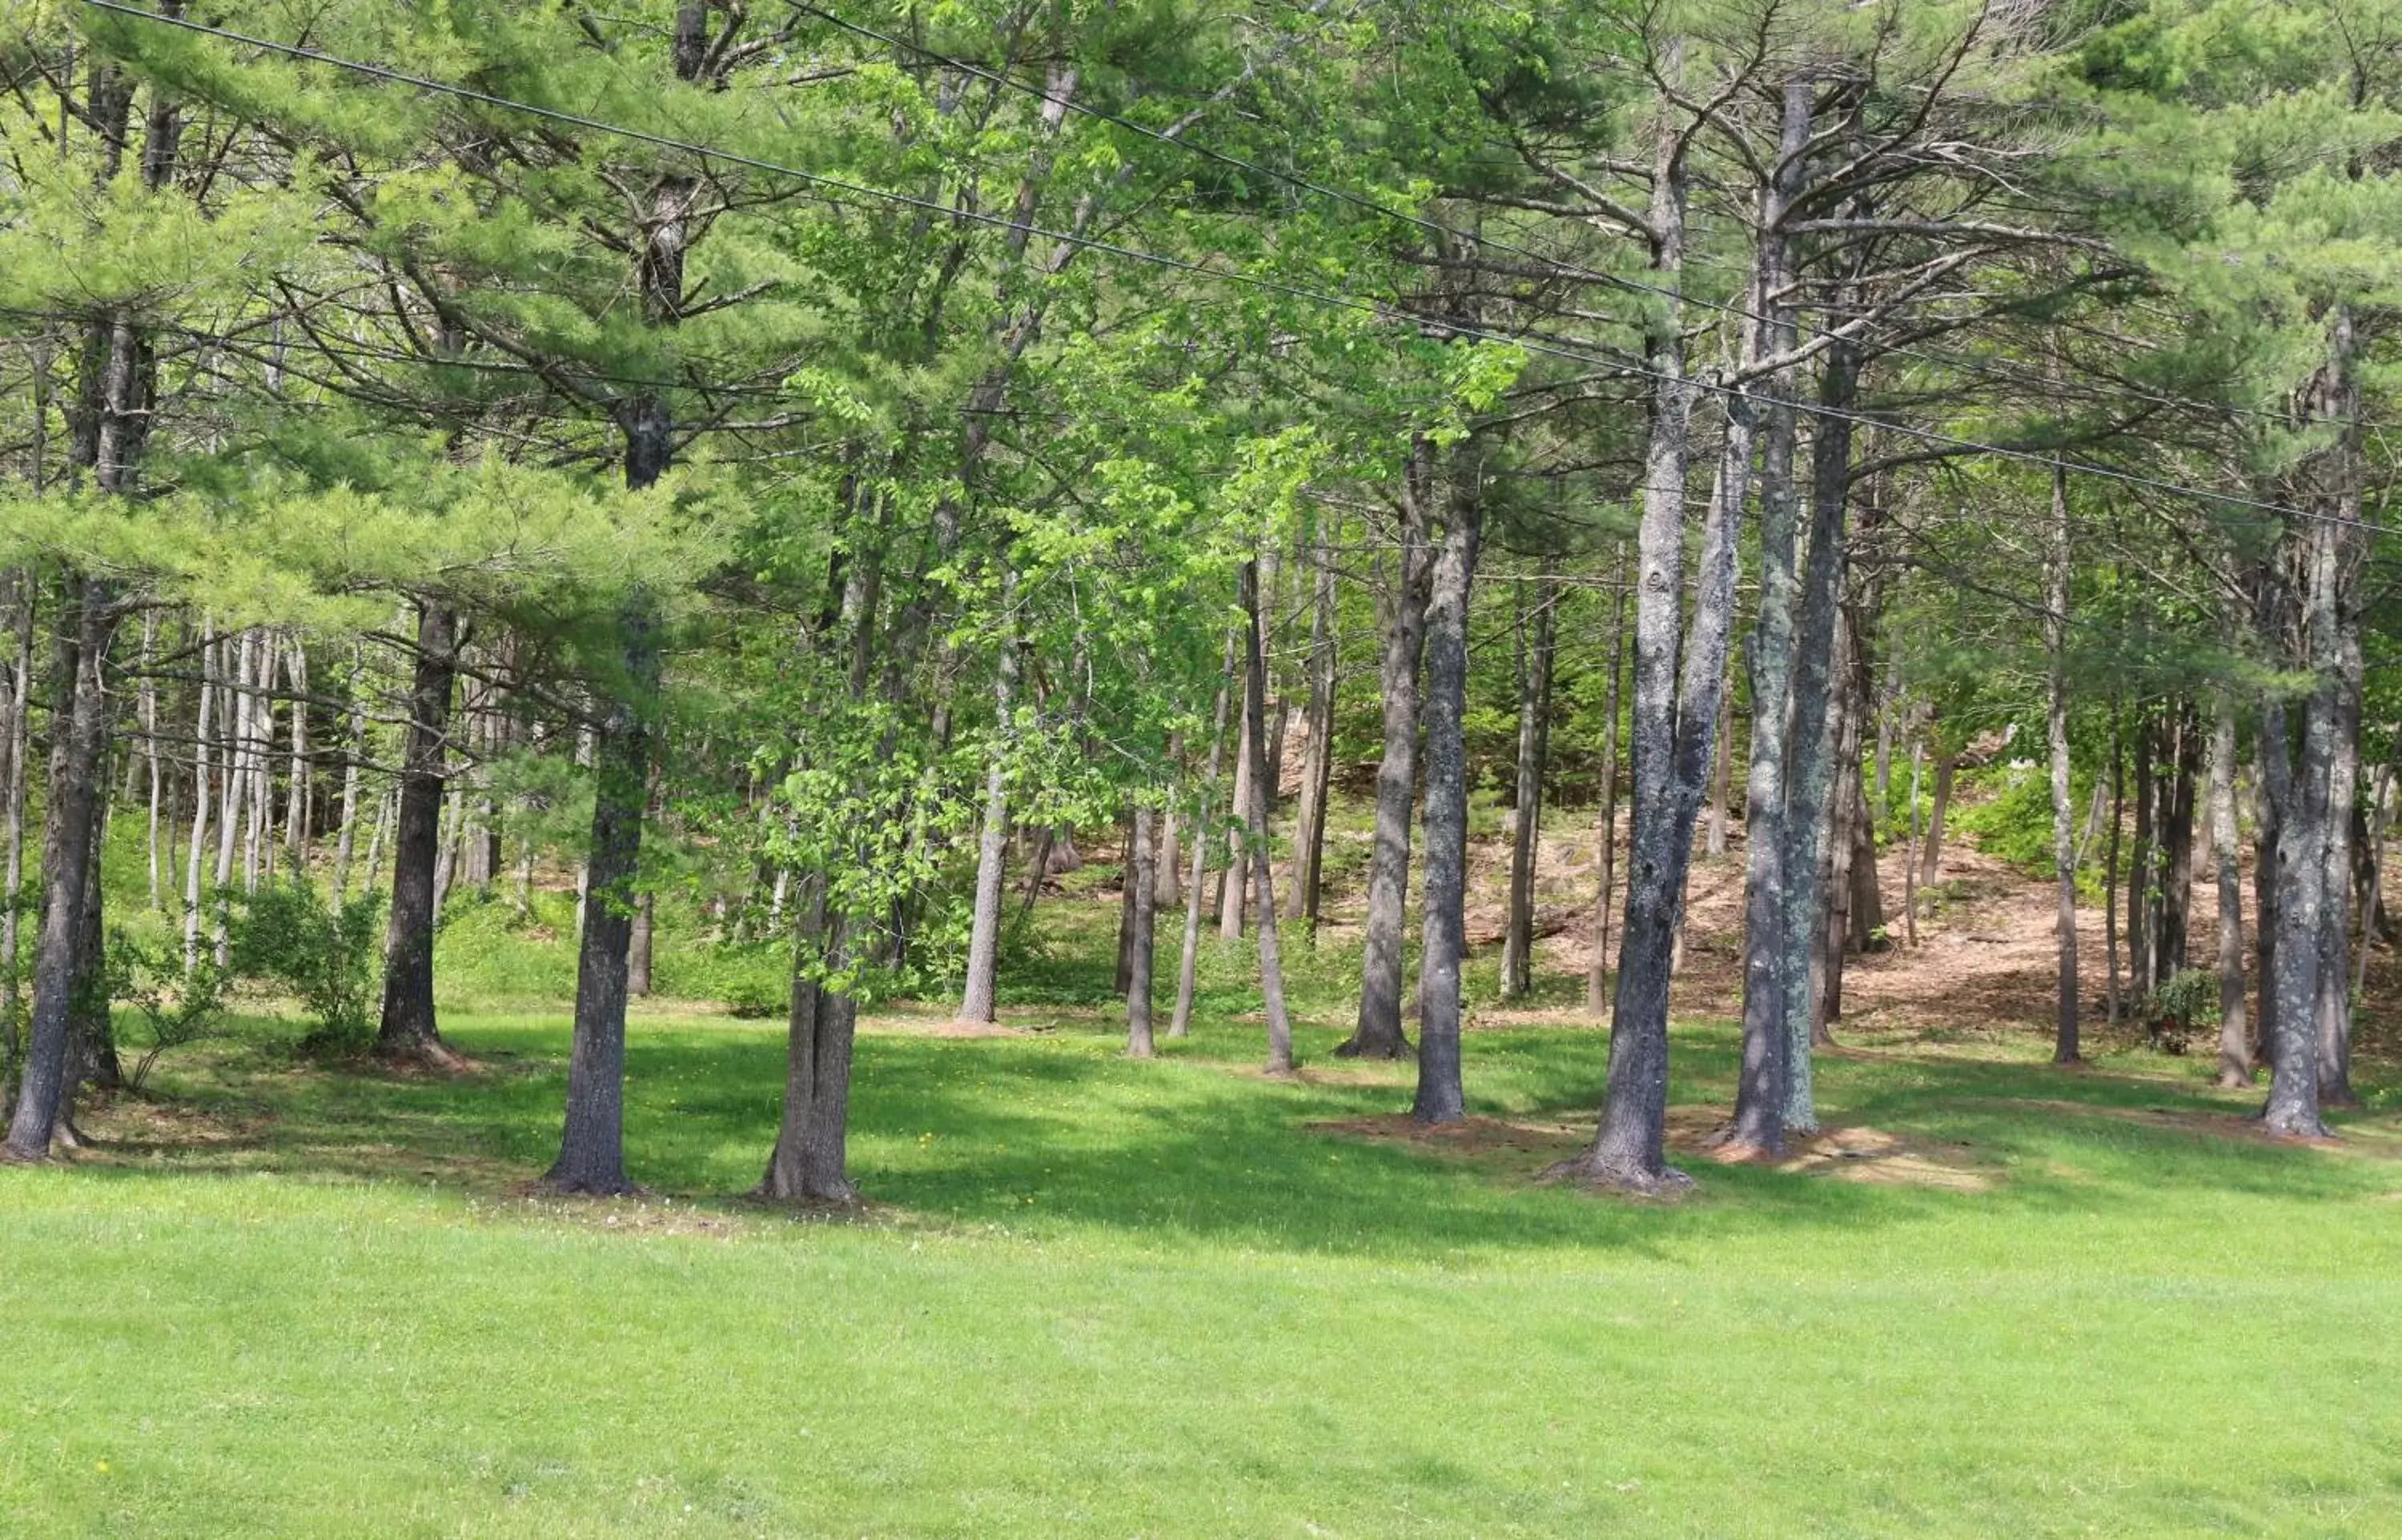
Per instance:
x=1378, y=1032
x=1443, y=947
x=78, y=746
x=407, y=1030
x=1318, y=765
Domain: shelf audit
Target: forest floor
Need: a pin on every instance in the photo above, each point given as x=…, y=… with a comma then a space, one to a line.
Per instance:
x=1091, y=1296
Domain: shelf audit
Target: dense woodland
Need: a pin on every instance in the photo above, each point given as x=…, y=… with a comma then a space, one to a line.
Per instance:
x=823, y=472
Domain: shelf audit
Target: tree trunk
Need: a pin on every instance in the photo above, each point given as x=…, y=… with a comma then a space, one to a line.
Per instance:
x=808, y=1163
x=355, y=750
x=1673, y=726
x=91, y=1037
x=407, y=1030
x=1378, y=1032
x=13, y=804
x=2143, y=870
x=2066, y=1047
x=1722, y=776
x=591, y=1153
x=1232, y=891
x=1810, y=779
x=1930, y=854
x=1180, y=1023
x=146, y=712
x=1527, y=837
x=1255, y=705
x=298, y=792
x=1309, y=833
x=1443, y=946
x=638, y=948
x=1143, y=879
x=2234, y=1036
x=78, y=746
x=1597, y=978
x=976, y=999
x=2333, y=1015
x=204, y=727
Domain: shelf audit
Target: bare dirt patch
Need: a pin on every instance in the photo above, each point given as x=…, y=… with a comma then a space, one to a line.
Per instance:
x=1526, y=1146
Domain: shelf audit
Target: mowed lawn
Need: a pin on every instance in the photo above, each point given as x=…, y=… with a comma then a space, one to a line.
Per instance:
x=1115, y=1298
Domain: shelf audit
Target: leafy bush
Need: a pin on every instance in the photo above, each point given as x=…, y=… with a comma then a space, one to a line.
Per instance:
x=175, y=1007
x=329, y=958
x=2187, y=1003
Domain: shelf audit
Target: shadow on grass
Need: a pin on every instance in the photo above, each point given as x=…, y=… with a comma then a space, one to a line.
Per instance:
x=1051, y=1135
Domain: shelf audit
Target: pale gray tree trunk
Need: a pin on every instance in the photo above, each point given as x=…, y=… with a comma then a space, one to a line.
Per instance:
x=1534, y=750
x=1188, y=961
x=1443, y=947
x=992, y=842
x=2234, y=1034
x=205, y=725
x=296, y=815
x=146, y=713
x=19, y=748
x=354, y=751
x=2333, y=1014
x=1262, y=867
x=2065, y=1046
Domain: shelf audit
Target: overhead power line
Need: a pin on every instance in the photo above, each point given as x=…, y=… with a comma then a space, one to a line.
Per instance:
x=1375, y=309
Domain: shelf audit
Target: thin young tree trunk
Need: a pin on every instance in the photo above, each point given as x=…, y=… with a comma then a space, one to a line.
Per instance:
x=200, y=742
x=1180, y=1023
x=2372, y=875
x=1930, y=854
x=407, y=1030
x=1263, y=871
x=2066, y=1047
x=2114, y=999
x=354, y=751
x=2143, y=908
x=20, y=776
x=1443, y=946
x=148, y=714
x=234, y=718
x=1378, y=1034
x=1317, y=763
x=1909, y=854
x=258, y=803
x=1144, y=877
x=992, y=842
x=296, y=815
x=78, y=747
x=1722, y=776
x=1527, y=837
x=1597, y=978
x=1233, y=896
x=2234, y=1035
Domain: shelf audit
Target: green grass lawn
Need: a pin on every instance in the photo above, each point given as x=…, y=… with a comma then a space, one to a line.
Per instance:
x=1116, y=1299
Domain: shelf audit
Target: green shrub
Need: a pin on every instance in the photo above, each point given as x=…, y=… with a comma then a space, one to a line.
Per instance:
x=2187, y=1003
x=286, y=936
x=174, y=1008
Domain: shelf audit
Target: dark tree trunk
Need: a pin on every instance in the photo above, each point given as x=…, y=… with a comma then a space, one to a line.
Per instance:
x=1378, y=1034
x=1261, y=867
x=2264, y=904
x=810, y=1157
x=1810, y=779
x=1763, y=1083
x=407, y=1030
x=1142, y=876
x=1124, y=976
x=2176, y=821
x=77, y=753
x=1597, y=978
x=1443, y=947
x=91, y=1037
x=592, y=1145
x=2143, y=870
x=1527, y=837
